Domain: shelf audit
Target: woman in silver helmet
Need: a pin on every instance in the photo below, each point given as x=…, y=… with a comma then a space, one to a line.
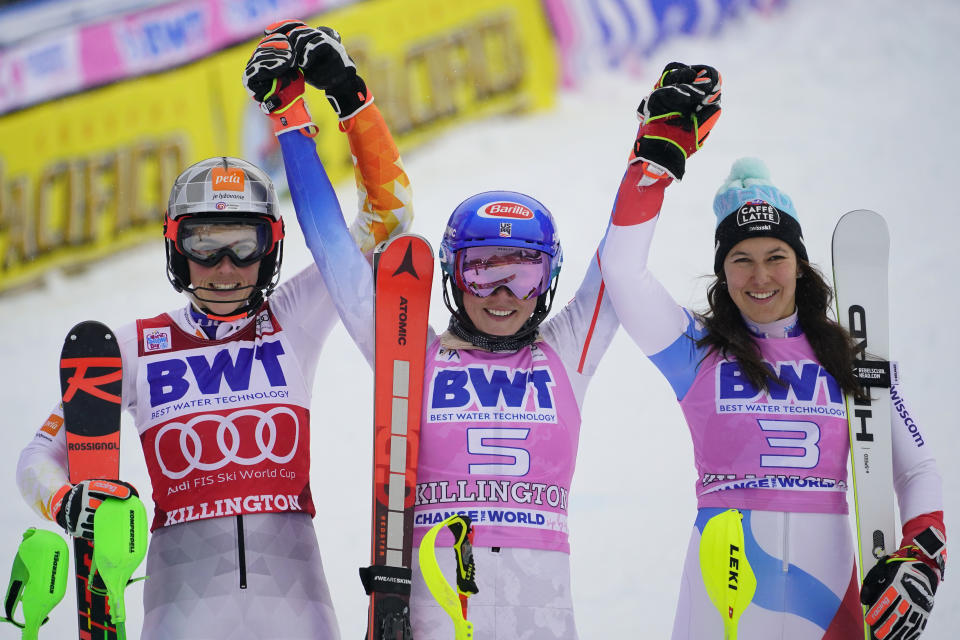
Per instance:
x=220, y=392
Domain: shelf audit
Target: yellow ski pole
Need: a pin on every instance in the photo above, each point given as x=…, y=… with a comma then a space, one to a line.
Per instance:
x=727, y=575
x=453, y=601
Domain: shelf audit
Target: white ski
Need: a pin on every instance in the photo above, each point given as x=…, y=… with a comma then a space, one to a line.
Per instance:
x=861, y=247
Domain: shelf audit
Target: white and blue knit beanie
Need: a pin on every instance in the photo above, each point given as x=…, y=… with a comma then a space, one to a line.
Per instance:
x=747, y=205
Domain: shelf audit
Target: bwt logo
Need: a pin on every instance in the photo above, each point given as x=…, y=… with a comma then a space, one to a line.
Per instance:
x=804, y=381
x=168, y=382
x=505, y=210
x=491, y=387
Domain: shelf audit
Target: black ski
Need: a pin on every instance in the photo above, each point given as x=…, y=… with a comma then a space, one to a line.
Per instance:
x=90, y=383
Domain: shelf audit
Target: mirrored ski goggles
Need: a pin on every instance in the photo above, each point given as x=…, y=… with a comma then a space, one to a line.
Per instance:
x=206, y=242
x=482, y=270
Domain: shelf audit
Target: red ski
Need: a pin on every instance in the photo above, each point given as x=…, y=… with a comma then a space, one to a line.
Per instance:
x=91, y=381
x=404, y=278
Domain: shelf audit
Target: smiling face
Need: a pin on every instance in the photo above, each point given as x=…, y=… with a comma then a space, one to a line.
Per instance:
x=761, y=276
x=499, y=314
x=223, y=287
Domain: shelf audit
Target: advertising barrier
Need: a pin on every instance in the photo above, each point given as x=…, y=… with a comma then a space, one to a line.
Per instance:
x=69, y=60
x=606, y=34
x=87, y=174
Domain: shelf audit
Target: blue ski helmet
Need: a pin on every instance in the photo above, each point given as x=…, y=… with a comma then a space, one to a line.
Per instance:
x=498, y=219
x=501, y=219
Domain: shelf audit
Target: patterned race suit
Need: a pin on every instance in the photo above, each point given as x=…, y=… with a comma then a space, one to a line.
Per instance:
x=223, y=414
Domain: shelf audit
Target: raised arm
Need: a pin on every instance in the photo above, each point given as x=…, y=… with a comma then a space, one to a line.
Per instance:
x=290, y=55
x=344, y=268
x=675, y=119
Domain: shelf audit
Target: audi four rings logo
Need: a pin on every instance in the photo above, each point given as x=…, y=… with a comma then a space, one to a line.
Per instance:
x=228, y=441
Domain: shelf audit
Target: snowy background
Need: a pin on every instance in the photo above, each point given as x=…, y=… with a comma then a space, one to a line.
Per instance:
x=851, y=103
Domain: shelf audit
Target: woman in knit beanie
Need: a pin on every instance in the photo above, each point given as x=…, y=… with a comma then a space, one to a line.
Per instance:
x=761, y=378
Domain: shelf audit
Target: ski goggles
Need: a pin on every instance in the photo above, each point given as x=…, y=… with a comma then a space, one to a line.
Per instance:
x=206, y=241
x=482, y=270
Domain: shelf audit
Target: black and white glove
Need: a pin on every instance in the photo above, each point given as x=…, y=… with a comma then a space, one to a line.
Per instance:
x=74, y=506
x=273, y=80
x=676, y=117
x=326, y=65
x=898, y=591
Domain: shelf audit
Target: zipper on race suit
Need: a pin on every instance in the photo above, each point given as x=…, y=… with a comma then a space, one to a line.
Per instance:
x=242, y=554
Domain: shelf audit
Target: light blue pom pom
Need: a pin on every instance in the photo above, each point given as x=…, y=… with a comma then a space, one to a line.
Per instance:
x=749, y=169
x=749, y=179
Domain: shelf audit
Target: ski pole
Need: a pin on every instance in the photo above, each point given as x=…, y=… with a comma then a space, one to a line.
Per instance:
x=462, y=531
x=727, y=576
x=119, y=546
x=38, y=579
x=453, y=601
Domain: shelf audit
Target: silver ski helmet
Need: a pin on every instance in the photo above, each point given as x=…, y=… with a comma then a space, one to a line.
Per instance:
x=499, y=219
x=225, y=190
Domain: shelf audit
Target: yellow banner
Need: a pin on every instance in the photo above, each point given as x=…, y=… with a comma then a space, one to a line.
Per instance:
x=83, y=176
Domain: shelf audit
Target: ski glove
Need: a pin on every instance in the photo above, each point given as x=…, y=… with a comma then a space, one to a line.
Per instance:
x=273, y=80
x=898, y=591
x=326, y=65
x=75, y=505
x=676, y=118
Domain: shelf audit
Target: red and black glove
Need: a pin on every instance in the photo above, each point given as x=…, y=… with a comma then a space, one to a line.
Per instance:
x=74, y=506
x=898, y=591
x=326, y=65
x=676, y=118
x=273, y=80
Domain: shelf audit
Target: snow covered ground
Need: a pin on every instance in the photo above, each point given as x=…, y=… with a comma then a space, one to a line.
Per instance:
x=851, y=105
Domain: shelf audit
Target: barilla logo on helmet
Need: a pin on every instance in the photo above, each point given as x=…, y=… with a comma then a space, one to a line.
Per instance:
x=505, y=210
x=757, y=211
x=229, y=179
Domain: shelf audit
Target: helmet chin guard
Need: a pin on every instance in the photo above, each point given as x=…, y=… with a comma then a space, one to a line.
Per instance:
x=217, y=190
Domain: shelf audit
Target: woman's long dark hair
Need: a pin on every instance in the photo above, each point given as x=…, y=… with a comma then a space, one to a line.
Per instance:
x=727, y=333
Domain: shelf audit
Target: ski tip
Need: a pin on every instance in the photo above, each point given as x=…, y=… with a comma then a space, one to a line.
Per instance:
x=862, y=216
x=406, y=236
x=89, y=328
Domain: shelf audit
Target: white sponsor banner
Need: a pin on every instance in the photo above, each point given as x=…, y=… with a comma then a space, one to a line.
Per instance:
x=64, y=61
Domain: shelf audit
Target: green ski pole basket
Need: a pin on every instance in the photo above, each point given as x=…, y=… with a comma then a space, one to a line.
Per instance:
x=119, y=546
x=38, y=579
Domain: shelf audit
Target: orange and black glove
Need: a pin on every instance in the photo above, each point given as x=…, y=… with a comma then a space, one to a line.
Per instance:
x=676, y=118
x=74, y=505
x=898, y=591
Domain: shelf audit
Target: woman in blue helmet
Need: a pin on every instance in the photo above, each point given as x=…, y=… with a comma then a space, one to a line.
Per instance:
x=503, y=389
